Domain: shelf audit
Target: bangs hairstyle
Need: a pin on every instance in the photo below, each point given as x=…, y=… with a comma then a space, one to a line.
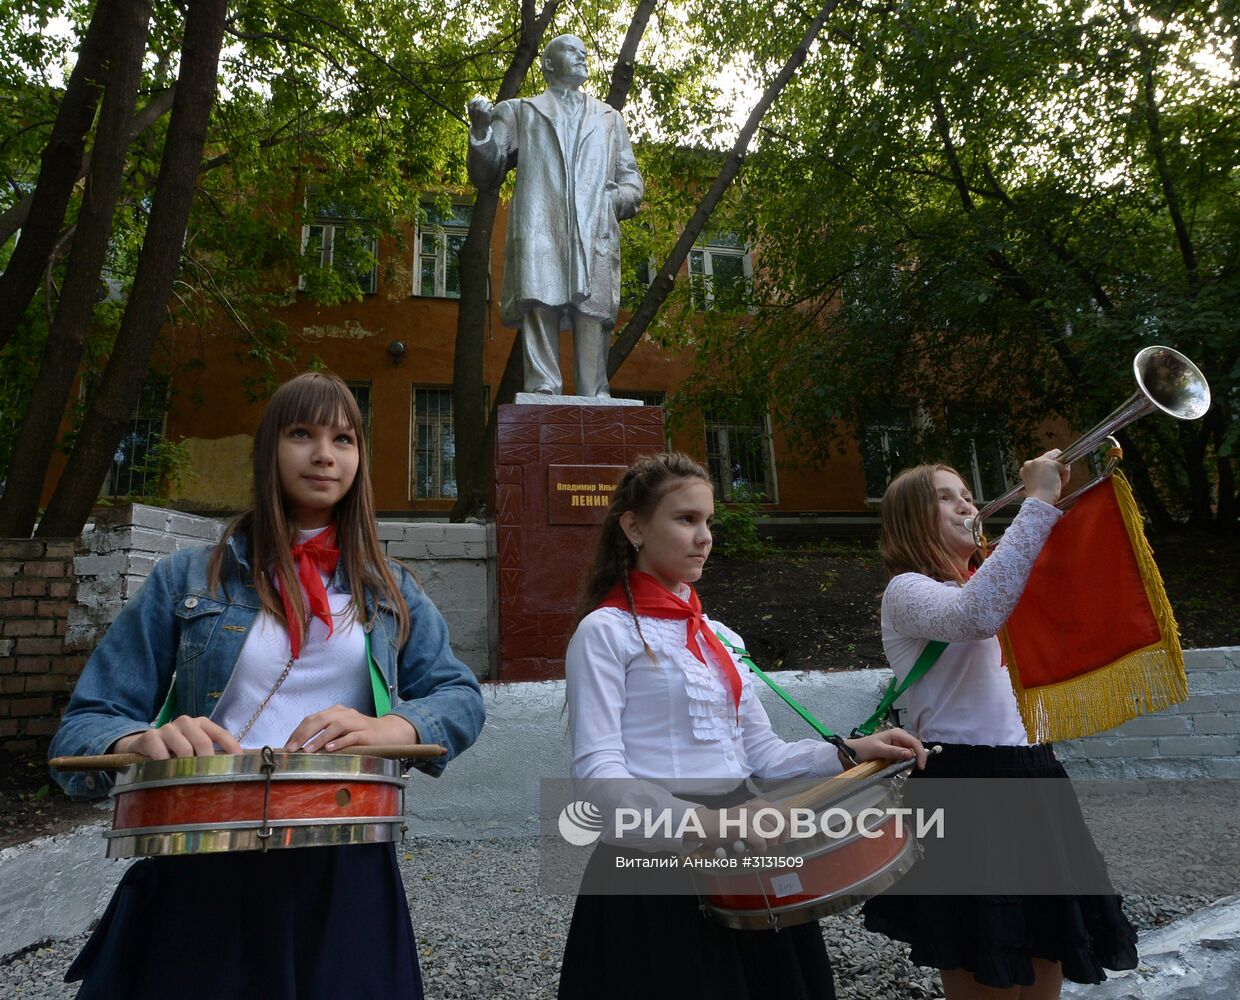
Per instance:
x=312, y=398
x=911, y=540
x=643, y=485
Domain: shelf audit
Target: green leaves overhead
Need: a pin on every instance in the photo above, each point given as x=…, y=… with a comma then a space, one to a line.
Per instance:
x=991, y=206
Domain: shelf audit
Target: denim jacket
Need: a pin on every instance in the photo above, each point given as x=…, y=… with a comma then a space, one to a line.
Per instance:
x=175, y=627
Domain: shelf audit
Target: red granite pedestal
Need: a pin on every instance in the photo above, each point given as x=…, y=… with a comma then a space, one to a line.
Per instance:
x=554, y=470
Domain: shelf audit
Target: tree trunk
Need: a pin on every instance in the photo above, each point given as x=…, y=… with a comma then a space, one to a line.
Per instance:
x=59, y=170
x=66, y=340
x=158, y=264
x=622, y=72
x=1193, y=440
x=469, y=412
x=14, y=217
x=661, y=287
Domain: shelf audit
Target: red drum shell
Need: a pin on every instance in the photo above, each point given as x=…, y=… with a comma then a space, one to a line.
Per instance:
x=833, y=875
x=196, y=805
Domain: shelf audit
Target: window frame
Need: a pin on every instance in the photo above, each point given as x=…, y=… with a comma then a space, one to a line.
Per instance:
x=331, y=224
x=708, y=250
x=367, y=412
x=417, y=387
x=442, y=233
x=763, y=428
x=153, y=437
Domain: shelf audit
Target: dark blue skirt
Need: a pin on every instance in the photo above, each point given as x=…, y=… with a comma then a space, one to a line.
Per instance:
x=309, y=923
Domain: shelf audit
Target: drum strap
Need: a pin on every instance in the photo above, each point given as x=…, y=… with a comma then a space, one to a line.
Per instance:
x=790, y=701
x=378, y=687
x=929, y=655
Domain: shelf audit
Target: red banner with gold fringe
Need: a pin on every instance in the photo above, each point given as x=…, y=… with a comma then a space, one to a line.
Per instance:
x=1093, y=641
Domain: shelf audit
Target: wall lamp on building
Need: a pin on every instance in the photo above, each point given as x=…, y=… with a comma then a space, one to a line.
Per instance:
x=396, y=351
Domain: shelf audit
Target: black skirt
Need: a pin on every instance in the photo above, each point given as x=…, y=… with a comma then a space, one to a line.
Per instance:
x=659, y=945
x=308, y=923
x=996, y=936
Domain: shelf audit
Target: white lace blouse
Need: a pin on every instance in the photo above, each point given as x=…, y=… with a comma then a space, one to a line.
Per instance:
x=966, y=697
x=669, y=722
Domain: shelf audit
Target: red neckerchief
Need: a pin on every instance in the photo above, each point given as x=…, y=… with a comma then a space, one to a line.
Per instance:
x=652, y=599
x=315, y=555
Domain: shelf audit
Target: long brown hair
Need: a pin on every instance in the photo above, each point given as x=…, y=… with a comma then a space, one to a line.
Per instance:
x=640, y=489
x=312, y=398
x=910, y=540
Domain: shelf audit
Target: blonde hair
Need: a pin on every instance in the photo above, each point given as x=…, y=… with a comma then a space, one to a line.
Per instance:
x=312, y=398
x=911, y=540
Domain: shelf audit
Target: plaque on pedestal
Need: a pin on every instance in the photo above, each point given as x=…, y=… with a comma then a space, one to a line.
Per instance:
x=555, y=467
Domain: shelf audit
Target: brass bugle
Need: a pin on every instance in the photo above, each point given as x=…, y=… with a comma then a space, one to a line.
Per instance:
x=1166, y=381
x=115, y=761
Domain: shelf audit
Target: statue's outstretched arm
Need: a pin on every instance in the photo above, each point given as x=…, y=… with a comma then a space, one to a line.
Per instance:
x=492, y=142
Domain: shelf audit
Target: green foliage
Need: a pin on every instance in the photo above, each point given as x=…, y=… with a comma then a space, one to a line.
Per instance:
x=736, y=526
x=979, y=212
x=167, y=464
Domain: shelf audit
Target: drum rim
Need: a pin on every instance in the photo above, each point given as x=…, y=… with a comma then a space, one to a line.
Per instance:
x=236, y=766
x=195, y=781
x=245, y=824
x=845, y=899
x=218, y=841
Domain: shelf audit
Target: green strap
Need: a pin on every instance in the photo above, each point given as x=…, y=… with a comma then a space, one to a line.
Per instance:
x=934, y=649
x=378, y=686
x=792, y=703
x=383, y=697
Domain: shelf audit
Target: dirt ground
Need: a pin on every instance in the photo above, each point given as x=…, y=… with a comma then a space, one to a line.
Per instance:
x=797, y=609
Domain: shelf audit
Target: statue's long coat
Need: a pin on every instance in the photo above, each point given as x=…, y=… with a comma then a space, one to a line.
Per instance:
x=563, y=242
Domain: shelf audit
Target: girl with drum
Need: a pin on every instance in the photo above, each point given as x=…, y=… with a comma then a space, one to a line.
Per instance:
x=985, y=946
x=284, y=634
x=657, y=701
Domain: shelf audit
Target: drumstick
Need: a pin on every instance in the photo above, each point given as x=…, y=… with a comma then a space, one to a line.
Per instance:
x=115, y=761
x=818, y=793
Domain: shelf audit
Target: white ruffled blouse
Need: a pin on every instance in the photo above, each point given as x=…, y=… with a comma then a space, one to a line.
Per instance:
x=671, y=719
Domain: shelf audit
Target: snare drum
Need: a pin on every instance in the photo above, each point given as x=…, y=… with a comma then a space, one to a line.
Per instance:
x=254, y=801
x=855, y=853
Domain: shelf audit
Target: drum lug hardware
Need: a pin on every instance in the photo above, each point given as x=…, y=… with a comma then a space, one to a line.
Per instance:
x=772, y=917
x=268, y=768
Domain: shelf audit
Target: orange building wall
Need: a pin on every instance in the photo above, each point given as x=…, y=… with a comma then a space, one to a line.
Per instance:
x=208, y=405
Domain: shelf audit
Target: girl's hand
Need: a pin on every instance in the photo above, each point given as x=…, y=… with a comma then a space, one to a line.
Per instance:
x=747, y=818
x=890, y=744
x=186, y=736
x=337, y=728
x=1044, y=477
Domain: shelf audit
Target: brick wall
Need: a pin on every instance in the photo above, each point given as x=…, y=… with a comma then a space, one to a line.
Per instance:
x=58, y=597
x=37, y=666
x=1199, y=738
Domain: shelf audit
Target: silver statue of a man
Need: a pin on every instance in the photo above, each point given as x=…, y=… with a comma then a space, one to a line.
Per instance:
x=575, y=180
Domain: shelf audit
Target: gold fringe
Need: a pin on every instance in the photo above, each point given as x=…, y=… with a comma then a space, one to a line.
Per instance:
x=1143, y=681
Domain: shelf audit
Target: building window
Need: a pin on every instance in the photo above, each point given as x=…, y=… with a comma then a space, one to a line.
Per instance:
x=890, y=445
x=739, y=456
x=136, y=470
x=361, y=393
x=980, y=458
x=438, y=251
x=887, y=446
x=345, y=246
x=649, y=397
x=635, y=281
x=721, y=274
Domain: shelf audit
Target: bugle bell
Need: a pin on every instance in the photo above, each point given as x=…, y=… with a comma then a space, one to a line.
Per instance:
x=1166, y=381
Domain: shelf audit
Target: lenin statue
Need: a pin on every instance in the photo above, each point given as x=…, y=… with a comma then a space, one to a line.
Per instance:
x=576, y=178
